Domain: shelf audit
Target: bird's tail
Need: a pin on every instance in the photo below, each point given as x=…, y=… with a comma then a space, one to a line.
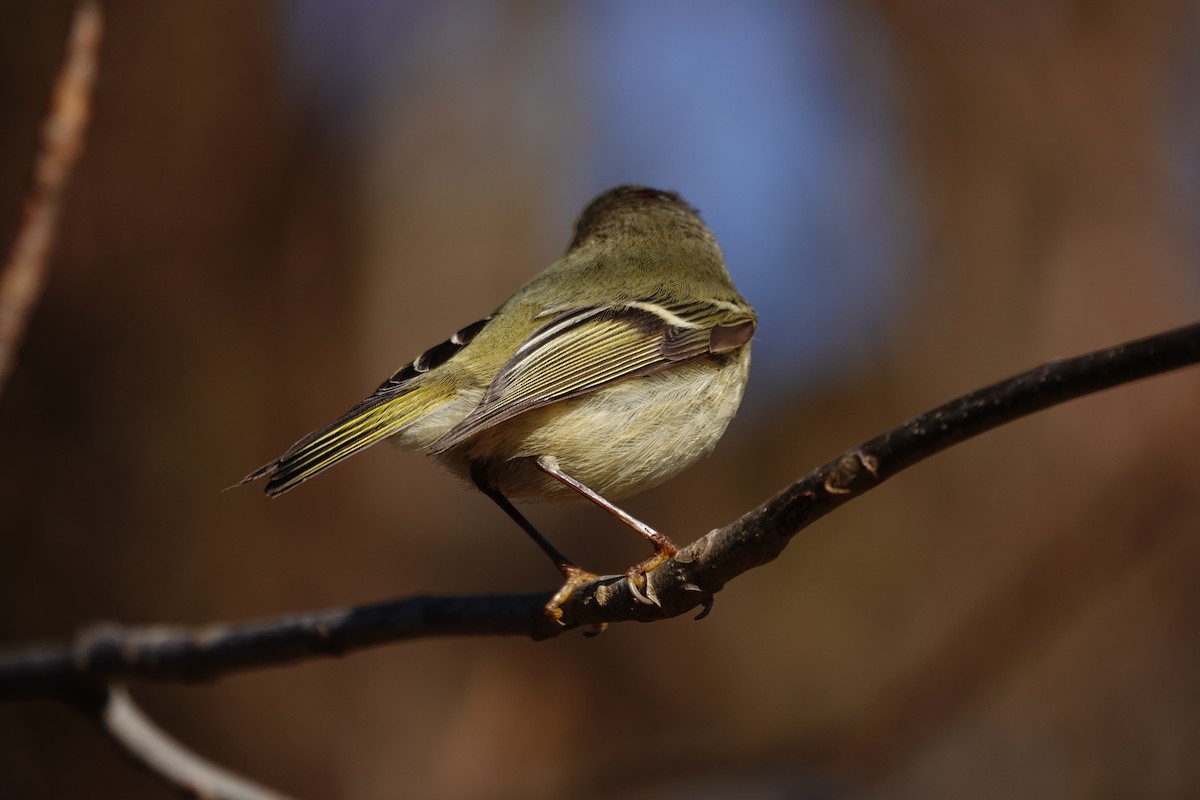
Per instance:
x=372, y=420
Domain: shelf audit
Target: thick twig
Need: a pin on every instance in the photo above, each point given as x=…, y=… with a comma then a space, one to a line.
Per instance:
x=108, y=653
x=153, y=749
x=61, y=142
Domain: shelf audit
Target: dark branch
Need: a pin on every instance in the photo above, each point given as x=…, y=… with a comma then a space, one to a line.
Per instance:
x=106, y=653
x=111, y=653
x=61, y=142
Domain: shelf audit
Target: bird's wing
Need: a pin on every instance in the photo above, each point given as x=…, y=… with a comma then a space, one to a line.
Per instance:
x=581, y=350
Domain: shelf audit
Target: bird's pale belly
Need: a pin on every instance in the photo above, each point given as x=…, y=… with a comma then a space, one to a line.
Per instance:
x=617, y=441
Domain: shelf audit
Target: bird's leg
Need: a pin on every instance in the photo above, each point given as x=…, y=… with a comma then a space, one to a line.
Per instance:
x=664, y=548
x=575, y=575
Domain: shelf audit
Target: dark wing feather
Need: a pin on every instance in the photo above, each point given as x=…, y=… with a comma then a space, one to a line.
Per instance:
x=582, y=350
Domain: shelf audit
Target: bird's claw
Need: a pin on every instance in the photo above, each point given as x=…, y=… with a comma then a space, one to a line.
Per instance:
x=634, y=579
x=707, y=602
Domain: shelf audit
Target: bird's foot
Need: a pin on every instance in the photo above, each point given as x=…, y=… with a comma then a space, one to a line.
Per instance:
x=635, y=576
x=575, y=577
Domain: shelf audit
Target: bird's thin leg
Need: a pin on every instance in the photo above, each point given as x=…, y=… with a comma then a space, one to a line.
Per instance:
x=575, y=575
x=553, y=553
x=664, y=548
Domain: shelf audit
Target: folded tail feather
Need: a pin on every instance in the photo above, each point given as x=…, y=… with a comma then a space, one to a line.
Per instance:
x=369, y=422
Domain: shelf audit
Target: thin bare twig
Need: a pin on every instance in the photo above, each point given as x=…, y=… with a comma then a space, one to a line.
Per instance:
x=61, y=142
x=148, y=745
x=107, y=653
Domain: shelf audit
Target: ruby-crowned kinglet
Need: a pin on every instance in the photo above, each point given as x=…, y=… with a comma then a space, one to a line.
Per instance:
x=606, y=374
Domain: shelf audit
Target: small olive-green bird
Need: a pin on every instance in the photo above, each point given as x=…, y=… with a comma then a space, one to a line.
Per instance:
x=606, y=374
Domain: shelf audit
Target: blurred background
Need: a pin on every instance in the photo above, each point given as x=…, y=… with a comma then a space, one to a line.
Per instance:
x=281, y=203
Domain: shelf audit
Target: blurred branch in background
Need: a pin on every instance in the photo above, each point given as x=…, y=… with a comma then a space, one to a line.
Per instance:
x=153, y=749
x=61, y=142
